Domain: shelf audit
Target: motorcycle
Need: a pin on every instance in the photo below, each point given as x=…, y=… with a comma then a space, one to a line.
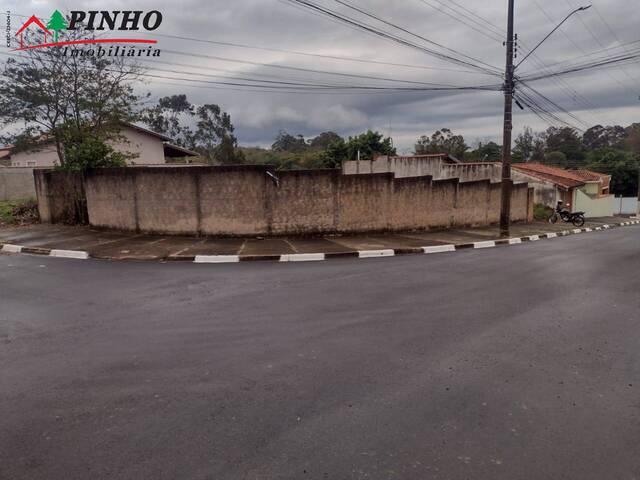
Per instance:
x=560, y=213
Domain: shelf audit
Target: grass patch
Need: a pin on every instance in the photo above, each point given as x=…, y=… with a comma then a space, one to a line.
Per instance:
x=542, y=212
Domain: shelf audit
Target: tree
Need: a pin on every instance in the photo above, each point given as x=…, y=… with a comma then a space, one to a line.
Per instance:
x=558, y=159
x=566, y=141
x=622, y=166
x=285, y=142
x=56, y=23
x=368, y=144
x=46, y=91
x=598, y=137
x=524, y=145
x=632, y=142
x=171, y=117
x=323, y=140
x=442, y=141
x=487, y=152
x=213, y=136
x=83, y=150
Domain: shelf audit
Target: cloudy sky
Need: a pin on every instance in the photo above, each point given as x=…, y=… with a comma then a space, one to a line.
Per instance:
x=283, y=30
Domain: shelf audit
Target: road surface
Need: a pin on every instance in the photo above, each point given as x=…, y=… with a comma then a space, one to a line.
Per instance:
x=509, y=363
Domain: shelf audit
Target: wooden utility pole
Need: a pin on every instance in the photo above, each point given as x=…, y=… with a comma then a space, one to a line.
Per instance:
x=505, y=203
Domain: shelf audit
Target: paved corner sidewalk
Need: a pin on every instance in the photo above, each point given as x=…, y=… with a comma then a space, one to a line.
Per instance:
x=74, y=241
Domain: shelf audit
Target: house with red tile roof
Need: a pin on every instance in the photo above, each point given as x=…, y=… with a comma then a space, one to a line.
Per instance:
x=580, y=190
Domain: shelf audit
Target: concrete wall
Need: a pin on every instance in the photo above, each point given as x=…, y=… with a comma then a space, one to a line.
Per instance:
x=147, y=148
x=244, y=200
x=61, y=197
x=413, y=166
x=625, y=205
x=593, y=206
x=16, y=184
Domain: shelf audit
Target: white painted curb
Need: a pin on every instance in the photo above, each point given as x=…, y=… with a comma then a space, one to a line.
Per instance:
x=376, y=253
x=439, y=249
x=515, y=241
x=534, y=238
x=216, y=259
x=577, y=230
x=302, y=257
x=552, y=235
x=487, y=244
x=11, y=248
x=80, y=255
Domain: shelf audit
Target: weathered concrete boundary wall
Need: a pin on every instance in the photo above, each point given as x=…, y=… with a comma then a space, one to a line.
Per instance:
x=16, y=183
x=245, y=200
x=413, y=166
x=61, y=197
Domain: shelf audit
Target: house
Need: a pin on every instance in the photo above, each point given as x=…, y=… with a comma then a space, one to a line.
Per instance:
x=580, y=190
x=149, y=148
x=33, y=20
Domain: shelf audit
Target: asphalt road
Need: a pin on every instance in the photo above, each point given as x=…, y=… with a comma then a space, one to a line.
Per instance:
x=509, y=363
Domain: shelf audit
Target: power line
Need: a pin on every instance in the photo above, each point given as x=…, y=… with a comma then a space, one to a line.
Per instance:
x=402, y=29
x=458, y=19
x=384, y=34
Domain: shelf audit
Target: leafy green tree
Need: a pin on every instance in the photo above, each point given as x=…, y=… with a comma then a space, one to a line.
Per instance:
x=622, y=166
x=598, y=137
x=442, y=141
x=323, y=140
x=369, y=144
x=83, y=149
x=56, y=23
x=566, y=141
x=486, y=152
x=213, y=136
x=557, y=159
x=171, y=116
x=528, y=146
x=285, y=142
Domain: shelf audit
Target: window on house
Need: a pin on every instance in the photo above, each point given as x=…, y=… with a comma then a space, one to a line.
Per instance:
x=31, y=164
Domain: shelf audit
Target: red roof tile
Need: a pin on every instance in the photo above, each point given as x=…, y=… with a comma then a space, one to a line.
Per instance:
x=559, y=176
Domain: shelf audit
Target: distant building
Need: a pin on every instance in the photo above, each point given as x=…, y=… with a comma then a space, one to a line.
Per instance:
x=149, y=148
x=580, y=190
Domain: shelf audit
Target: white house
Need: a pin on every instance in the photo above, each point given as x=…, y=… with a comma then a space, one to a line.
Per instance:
x=149, y=148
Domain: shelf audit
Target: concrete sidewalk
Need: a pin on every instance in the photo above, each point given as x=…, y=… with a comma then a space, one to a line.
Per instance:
x=122, y=246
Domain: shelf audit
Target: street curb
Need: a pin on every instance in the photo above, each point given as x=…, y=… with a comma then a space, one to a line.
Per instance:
x=315, y=257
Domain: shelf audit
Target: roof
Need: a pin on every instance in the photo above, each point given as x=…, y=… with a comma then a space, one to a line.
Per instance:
x=591, y=176
x=147, y=131
x=173, y=151
x=556, y=175
x=33, y=19
x=5, y=152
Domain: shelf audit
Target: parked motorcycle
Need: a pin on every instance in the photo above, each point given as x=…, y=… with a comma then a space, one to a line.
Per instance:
x=561, y=213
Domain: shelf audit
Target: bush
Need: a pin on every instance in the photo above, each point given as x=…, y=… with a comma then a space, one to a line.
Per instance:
x=542, y=212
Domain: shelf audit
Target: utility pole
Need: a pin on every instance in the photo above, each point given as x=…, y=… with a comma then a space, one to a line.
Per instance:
x=505, y=203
